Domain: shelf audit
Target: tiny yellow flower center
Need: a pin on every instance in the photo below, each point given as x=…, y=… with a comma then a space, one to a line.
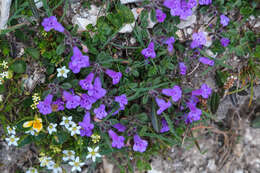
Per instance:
x=12, y=139
x=66, y=121
x=50, y=126
x=62, y=71
x=93, y=153
x=74, y=128
x=76, y=164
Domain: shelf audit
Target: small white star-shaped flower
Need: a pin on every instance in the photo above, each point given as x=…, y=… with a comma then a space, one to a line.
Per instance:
x=11, y=131
x=76, y=165
x=68, y=155
x=32, y=170
x=56, y=168
x=45, y=161
x=93, y=153
x=52, y=128
x=12, y=140
x=74, y=129
x=63, y=72
x=66, y=121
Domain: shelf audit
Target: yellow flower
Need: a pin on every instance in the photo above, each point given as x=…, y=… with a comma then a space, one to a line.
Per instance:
x=36, y=124
x=95, y=138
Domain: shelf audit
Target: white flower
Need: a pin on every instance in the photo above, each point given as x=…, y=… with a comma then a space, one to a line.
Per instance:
x=4, y=74
x=32, y=170
x=63, y=72
x=50, y=165
x=74, y=129
x=68, y=155
x=12, y=140
x=11, y=131
x=52, y=128
x=76, y=165
x=4, y=64
x=93, y=153
x=66, y=121
x=56, y=168
x=45, y=161
x=32, y=132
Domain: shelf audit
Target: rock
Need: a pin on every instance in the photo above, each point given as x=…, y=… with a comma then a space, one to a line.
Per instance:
x=128, y=28
x=130, y=1
x=132, y=40
x=150, y=22
x=4, y=13
x=188, y=22
x=108, y=167
x=86, y=17
x=211, y=165
x=38, y=3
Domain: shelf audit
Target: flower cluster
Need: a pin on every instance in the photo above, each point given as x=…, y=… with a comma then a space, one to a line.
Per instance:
x=12, y=139
x=36, y=98
x=6, y=74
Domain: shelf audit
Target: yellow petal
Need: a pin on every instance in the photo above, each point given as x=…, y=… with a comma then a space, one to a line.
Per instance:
x=27, y=124
x=37, y=125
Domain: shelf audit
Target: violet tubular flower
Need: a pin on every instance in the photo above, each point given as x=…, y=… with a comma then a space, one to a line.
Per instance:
x=199, y=39
x=169, y=42
x=149, y=51
x=206, y=61
x=100, y=112
x=120, y=127
x=193, y=115
x=160, y=15
x=140, y=145
x=86, y=126
x=117, y=141
x=163, y=105
x=122, y=100
x=87, y=101
x=182, y=68
x=165, y=127
x=45, y=106
x=97, y=91
x=174, y=92
x=52, y=23
x=57, y=105
x=205, y=2
x=72, y=101
x=116, y=76
x=205, y=91
x=224, y=20
x=86, y=83
x=78, y=60
x=224, y=42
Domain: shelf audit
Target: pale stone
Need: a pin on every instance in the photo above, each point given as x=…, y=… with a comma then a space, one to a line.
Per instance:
x=130, y=1
x=188, y=22
x=4, y=13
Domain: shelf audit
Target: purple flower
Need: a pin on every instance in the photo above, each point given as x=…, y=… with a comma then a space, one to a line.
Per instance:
x=205, y=2
x=180, y=8
x=204, y=91
x=149, y=51
x=163, y=105
x=52, y=23
x=122, y=100
x=160, y=15
x=224, y=42
x=139, y=144
x=182, y=68
x=116, y=76
x=119, y=127
x=58, y=105
x=87, y=101
x=198, y=40
x=165, y=127
x=97, y=91
x=170, y=42
x=193, y=115
x=174, y=92
x=206, y=60
x=192, y=101
x=224, y=20
x=45, y=106
x=117, y=141
x=72, y=101
x=86, y=126
x=78, y=60
x=100, y=112
x=86, y=83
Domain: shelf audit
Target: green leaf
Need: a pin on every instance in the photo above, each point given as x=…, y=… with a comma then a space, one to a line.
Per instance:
x=60, y=138
x=18, y=66
x=26, y=140
x=60, y=49
x=142, y=117
x=126, y=14
x=33, y=52
x=66, y=86
x=256, y=122
x=155, y=121
x=214, y=102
